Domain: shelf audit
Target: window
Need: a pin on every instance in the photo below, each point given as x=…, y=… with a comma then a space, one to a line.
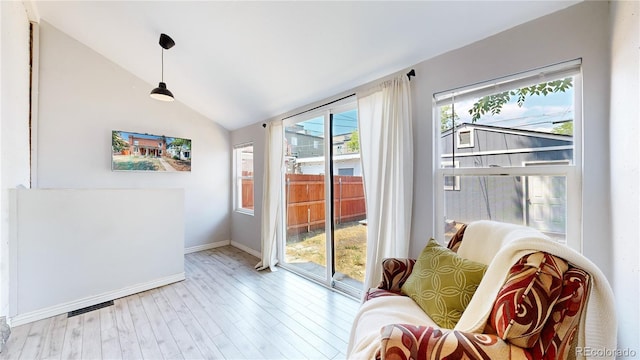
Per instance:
x=243, y=170
x=511, y=149
x=345, y=172
x=465, y=138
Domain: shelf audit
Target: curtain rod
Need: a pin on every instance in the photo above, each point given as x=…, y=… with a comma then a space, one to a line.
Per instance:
x=319, y=106
x=411, y=73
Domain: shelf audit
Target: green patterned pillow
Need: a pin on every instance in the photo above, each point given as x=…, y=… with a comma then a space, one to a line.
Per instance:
x=442, y=283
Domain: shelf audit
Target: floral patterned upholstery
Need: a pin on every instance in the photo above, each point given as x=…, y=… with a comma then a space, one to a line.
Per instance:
x=527, y=298
x=394, y=273
x=553, y=338
x=425, y=343
x=561, y=327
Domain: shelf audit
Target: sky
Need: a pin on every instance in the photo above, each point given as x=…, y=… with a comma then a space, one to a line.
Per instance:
x=538, y=113
x=343, y=123
x=125, y=136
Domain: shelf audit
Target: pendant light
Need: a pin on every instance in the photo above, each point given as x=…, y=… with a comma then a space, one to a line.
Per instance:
x=161, y=92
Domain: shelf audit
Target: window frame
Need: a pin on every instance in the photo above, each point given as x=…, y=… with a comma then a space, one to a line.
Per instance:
x=456, y=182
x=572, y=172
x=238, y=178
x=471, y=143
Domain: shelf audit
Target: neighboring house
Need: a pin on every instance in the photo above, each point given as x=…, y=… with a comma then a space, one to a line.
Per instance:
x=147, y=147
x=305, y=153
x=182, y=152
x=537, y=201
x=343, y=164
x=302, y=144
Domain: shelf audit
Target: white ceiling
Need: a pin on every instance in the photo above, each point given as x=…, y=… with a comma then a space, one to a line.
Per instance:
x=241, y=62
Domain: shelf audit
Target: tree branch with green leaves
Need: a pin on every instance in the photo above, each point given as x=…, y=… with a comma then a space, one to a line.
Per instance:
x=493, y=103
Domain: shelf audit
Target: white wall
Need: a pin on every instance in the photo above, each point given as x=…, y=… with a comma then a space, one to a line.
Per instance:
x=579, y=31
x=245, y=229
x=84, y=96
x=76, y=248
x=576, y=32
x=14, y=121
x=625, y=168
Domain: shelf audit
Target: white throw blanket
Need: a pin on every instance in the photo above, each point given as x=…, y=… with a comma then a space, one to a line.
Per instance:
x=509, y=243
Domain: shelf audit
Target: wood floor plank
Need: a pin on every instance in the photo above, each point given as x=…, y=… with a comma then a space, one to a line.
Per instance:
x=91, y=336
x=309, y=315
x=209, y=322
x=180, y=334
x=52, y=347
x=241, y=340
x=257, y=319
x=224, y=309
x=72, y=345
x=109, y=334
x=129, y=343
x=167, y=343
x=204, y=342
x=146, y=338
x=16, y=341
x=315, y=347
x=34, y=343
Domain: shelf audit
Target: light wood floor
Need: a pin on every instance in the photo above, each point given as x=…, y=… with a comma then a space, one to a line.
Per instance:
x=224, y=309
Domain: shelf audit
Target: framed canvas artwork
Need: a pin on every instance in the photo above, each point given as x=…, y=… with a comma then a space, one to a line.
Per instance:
x=132, y=151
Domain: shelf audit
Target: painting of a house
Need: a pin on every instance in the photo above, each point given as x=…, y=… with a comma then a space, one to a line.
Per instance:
x=143, y=146
x=537, y=201
x=144, y=152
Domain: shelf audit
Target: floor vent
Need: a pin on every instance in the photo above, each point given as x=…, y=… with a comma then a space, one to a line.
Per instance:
x=89, y=308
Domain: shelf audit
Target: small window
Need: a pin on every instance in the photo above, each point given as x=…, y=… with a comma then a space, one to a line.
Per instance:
x=243, y=169
x=465, y=138
x=345, y=172
x=294, y=141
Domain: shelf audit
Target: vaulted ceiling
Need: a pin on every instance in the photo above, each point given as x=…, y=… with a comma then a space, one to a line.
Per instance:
x=241, y=62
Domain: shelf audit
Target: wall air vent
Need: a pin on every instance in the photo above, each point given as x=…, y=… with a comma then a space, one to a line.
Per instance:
x=89, y=308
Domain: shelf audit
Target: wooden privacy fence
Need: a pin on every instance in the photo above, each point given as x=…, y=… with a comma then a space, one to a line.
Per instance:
x=304, y=196
x=305, y=199
x=247, y=193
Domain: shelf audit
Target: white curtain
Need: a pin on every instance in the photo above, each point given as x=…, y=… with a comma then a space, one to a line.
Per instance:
x=386, y=145
x=271, y=195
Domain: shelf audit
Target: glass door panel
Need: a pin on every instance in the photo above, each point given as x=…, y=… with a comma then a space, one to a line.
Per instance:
x=306, y=240
x=325, y=235
x=349, y=212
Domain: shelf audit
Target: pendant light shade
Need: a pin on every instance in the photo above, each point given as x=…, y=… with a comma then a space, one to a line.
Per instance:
x=161, y=92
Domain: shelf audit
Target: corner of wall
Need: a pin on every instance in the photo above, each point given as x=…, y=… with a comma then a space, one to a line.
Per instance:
x=625, y=168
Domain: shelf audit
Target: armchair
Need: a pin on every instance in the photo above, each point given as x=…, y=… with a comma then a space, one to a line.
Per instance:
x=531, y=310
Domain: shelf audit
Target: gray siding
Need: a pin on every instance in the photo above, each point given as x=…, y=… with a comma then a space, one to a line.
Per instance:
x=500, y=198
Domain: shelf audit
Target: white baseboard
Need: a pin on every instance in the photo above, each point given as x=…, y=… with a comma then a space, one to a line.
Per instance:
x=40, y=314
x=246, y=249
x=197, y=248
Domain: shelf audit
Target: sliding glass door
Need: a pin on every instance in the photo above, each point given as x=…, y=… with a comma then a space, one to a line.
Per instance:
x=325, y=222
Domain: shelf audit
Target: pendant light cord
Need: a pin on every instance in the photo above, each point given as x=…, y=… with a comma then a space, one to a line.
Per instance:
x=162, y=62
